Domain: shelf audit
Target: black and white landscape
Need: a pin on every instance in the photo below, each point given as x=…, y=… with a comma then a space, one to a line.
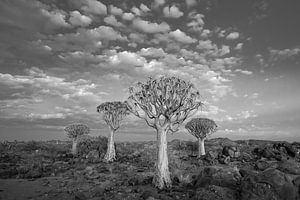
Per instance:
x=160, y=99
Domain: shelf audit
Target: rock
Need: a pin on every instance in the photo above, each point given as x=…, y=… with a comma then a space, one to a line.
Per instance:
x=219, y=176
x=280, y=182
x=268, y=184
x=93, y=156
x=98, y=191
x=261, y=165
x=149, y=194
x=267, y=152
x=289, y=167
x=211, y=156
x=80, y=196
x=231, y=151
x=246, y=157
x=224, y=160
x=286, y=148
x=215, y=193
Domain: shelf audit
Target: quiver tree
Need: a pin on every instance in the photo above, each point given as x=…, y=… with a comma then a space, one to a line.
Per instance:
x=164, y=103
x=74, y=131
x=113, y=113
x=201, y=128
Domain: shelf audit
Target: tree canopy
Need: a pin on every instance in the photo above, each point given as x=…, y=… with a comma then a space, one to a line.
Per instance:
x=201, y=127
x=77, y=129
x=163, y=101
x=113, y=113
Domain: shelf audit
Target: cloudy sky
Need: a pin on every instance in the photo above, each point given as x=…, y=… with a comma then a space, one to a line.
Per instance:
x=59, y=59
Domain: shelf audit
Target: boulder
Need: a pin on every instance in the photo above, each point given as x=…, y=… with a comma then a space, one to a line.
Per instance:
x=219, y=176
x=268, y=184
x=231, y=151
x=289, y=167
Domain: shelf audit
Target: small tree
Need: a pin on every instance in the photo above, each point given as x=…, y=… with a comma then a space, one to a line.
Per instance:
x=113, y=113
x=201, y=128
x=74, y=131
x=164, y=103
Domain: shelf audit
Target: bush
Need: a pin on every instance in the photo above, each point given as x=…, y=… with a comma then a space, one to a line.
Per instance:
x=87, y=143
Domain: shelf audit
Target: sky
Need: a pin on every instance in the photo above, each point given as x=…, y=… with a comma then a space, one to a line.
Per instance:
x=60, y=59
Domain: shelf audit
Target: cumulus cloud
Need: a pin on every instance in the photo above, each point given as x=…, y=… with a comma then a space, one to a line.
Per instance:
x=94, y=7
x=233, y=36
x=149, y=27
x=276, y=54
x=77, y=19
x=246, y=72
x=181, y=37
x=197, y=22
x=190, y=3
x=152, y=52
x=129, y=58
x=144, y=8
x=158, y=3
x=111, y=20
x=115, y=10
x=127, y=16
x=56, y=17
x=39, y=88
x=172, y=12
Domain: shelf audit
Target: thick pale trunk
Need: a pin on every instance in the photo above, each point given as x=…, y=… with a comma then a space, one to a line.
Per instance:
x=162, y=177
x=201, y=148
x=74, y=147
x=111, y=152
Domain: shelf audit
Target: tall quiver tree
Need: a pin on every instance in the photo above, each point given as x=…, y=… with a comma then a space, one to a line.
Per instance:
x=201, y=128
x=74, y=131
x=113, y=113
x=164, y=103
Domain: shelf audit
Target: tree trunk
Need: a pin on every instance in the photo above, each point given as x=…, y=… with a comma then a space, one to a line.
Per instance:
x=201, y=148
x=74, y=147
x=111, y=152
x=162, y=177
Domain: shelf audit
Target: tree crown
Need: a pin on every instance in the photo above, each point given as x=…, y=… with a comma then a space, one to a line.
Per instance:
x=163, y=101
x=113, y=112
x=75, y=130
x=201, y=127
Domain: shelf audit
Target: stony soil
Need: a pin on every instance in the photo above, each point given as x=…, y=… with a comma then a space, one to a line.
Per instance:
x=230, y=170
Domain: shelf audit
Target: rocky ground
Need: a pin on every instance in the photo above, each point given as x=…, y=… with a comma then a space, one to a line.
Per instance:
x=241, y=170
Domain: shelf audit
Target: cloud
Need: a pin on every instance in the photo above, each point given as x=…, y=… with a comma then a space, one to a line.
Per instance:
x=136, y=11
x=276, y=54
x=243, y=71
x=239, y=46
x=172, y=12
x=233, y=36
x=56, y=17
x=190, y=3
x=128, y=58
x=115, y=10
x=197, y=22
x=42, y=92
x=111, y=20
x=152, y=52
x=127, y=16
x=76, y=19
x=94, y=7
x=181, y=37
x=158, y=3
x=149, y=27
x=144, y=8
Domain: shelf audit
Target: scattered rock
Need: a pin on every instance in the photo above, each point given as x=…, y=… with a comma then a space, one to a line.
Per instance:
x=289, y=167
x=231, y=151
x=224, y=177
